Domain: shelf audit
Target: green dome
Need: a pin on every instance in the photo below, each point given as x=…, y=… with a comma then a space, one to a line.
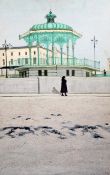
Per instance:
x=51, y=26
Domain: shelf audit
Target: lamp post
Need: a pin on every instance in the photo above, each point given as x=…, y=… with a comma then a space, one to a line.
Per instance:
x=94, y=42
x=6, y=46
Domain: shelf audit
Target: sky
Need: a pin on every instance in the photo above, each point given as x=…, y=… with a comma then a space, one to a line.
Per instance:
x=88, y=17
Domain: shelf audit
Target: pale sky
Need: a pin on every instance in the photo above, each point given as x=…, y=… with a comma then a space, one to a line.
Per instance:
x=88, y=17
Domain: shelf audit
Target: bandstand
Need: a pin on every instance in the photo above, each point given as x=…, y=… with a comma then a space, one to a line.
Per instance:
x=59, y=42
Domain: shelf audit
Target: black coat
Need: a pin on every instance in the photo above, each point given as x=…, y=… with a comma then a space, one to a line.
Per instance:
x=63, y=86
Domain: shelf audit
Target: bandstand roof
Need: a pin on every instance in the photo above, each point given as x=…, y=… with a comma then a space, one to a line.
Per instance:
x=62, y=32
x=51, y=26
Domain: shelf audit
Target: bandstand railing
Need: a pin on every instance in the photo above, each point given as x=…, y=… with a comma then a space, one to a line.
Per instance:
x=65, y=62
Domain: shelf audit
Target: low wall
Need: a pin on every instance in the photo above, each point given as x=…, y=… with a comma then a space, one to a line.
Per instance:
x=18, y=85
x=49, y=85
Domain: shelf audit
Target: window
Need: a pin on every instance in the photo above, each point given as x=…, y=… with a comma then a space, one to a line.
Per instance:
x=19, y=53
x=45, y=72
x=87, y=74
x=26, y=60
x=3, y=54
x=11, y=61
x=3, y=62
x=34, y=60
x=73, y=72
x=41, y=54
x=39, y=72
x=34, y=52
x=25, y=53
x=18, y=60
x=11, y=53
x=67, y=73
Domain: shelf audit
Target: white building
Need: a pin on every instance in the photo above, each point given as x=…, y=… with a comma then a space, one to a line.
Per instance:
x=108, y=64
x=16, y=56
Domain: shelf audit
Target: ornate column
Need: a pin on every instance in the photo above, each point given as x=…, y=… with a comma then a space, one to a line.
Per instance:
x=73, y=53
x=30, y=58
x=67, y=51
x=61, y=51
x=38, y=57
x=52, y=48
x=29, y=46
x=52, y=53
x=47, y=56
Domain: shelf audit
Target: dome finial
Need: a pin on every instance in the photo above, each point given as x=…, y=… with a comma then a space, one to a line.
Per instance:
x=50, y=17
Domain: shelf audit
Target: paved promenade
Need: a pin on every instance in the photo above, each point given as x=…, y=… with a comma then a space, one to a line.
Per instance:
x=54, y=135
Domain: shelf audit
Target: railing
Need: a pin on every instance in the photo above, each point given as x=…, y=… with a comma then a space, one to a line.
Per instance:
x=57, y=61
x=102, y=75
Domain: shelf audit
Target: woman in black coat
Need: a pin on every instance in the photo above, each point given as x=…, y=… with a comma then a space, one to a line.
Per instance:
x=63, y=86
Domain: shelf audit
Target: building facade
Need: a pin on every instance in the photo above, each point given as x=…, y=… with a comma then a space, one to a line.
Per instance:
x=108, y=64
